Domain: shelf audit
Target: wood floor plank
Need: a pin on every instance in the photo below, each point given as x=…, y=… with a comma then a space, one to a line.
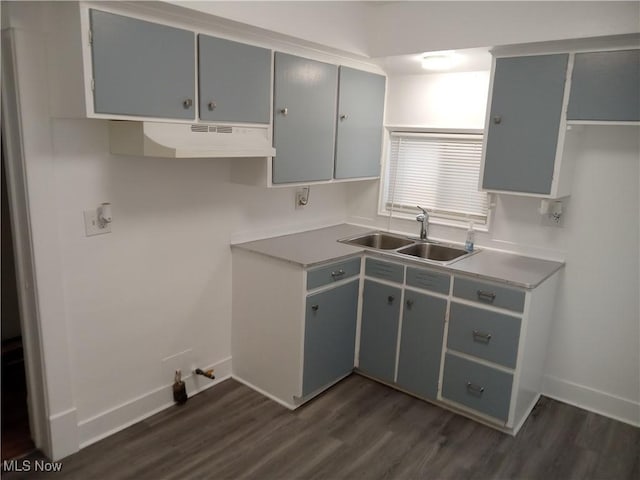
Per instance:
x=359, y=429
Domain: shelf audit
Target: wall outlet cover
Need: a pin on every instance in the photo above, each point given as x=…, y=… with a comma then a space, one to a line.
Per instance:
x=92, y=226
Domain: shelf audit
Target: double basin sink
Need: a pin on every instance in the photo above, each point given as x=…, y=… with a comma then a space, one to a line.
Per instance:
x=434, y=252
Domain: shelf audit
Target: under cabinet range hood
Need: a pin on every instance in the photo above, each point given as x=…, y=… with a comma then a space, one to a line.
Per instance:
x=184, y=140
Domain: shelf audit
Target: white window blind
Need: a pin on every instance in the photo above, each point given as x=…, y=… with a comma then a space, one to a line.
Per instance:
x=439, y=172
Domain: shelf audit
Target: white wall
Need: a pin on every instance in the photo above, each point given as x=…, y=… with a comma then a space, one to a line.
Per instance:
x=594, y=357
x=440, y=100
x=397, y=28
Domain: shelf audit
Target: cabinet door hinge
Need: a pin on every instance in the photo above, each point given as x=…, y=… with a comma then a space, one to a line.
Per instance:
x=93, y=85
x=90, y=37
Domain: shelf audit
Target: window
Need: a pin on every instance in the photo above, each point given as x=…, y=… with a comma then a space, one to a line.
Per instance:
x=439, y=172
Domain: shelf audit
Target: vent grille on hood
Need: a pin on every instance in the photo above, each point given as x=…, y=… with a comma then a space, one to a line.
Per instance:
x=182, y=140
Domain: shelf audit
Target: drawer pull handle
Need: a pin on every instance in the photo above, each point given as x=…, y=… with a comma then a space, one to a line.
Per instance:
x=390, y=299
x=488, y=296
x=475, y=389
x=315, y=307
x=339, y=273
x=409, y=304
x=481, y=336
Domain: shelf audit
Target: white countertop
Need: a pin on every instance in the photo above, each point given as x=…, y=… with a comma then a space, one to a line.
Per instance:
x=314, y=247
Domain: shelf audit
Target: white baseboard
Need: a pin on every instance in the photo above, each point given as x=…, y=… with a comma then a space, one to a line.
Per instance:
x=118, y=418
x=63, y=428
x=602, y=403
x=290, y=406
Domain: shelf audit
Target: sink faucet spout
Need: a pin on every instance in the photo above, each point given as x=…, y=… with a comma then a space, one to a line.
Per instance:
x=423, y=218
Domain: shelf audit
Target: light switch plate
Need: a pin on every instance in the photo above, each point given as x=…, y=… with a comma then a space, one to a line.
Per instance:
x=92, y=226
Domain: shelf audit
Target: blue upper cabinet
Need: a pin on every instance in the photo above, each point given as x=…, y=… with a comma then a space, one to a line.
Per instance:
x=142, y=68
x=524, y=123
x=359, y=130
x=605, y=86
x=234, y=81
x=303, y=119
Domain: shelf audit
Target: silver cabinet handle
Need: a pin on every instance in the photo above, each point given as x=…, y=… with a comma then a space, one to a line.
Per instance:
x=339, y=273
x=481, y=336
x=390, y=299
x=497, y=119
x=484, y=295
x=212, y=105
x=409, y=304
x=284, y=111
x=315, y=307
x=475, y=389
x=343, y=116
x=187, y=103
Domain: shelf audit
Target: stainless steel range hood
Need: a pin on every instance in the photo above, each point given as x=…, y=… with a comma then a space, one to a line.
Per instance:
x=184, y=140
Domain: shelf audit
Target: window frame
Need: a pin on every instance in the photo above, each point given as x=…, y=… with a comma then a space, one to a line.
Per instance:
x=383, y=211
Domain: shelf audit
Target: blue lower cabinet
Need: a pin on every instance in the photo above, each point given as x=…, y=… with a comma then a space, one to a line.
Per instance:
x=482, y=388
x=329, y=336
x=379, y=330
x=421, y=344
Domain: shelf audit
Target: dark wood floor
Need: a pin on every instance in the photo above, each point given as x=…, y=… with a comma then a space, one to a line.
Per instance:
x=358, y=429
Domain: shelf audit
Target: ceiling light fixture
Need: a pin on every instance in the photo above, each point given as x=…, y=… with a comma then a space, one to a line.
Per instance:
x=444, y=60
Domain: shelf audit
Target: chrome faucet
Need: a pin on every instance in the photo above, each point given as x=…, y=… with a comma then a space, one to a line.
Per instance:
x=423, y=218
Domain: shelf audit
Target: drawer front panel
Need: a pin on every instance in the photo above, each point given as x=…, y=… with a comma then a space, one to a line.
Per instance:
x=428, y=279
x=332, y=273
x=384, y=270
x=489, y=293
x=477, y=386
x=485, y=334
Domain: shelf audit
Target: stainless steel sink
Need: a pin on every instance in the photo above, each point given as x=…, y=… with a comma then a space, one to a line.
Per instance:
x=379, y=240
x=400, y=246
x=433, y=251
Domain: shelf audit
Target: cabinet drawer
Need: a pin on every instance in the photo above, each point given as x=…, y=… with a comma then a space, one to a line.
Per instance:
x=384, y=270
x=477, y=386
x=428, y=279
x=332, y=273
x=489, y=293
x=484, y=334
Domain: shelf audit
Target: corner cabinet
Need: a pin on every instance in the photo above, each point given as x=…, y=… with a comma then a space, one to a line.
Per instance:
x=294, y=328
x=142, y=68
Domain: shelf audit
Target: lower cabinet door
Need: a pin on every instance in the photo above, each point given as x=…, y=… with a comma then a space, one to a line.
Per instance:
x=329, y=336
x=421, y=343
x=379, y=330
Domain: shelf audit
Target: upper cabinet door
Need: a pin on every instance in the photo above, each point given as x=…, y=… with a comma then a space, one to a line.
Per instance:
x=605, y=86
x=303, y=119
x=524, y=123
x=359, y=130
x=234, y=81
x=142, y=68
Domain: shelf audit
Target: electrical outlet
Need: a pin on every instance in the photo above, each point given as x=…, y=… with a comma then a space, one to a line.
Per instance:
x=92, y=226
x=300, y=200
x=551, y=220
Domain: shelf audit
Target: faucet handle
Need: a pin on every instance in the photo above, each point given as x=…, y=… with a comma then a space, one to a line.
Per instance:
x=424, y=210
